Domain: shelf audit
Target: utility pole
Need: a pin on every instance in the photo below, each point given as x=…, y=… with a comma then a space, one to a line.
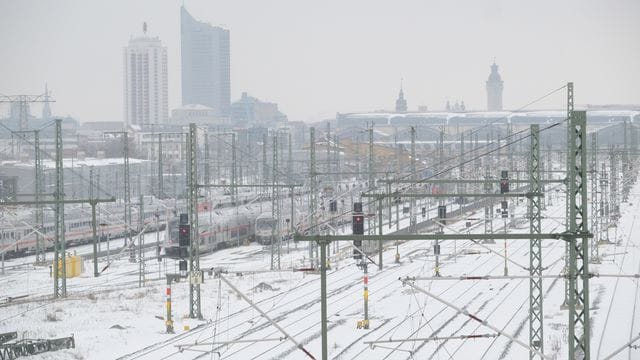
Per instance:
x=536, y=336
x=59, y=269
x=275, y=196
x=372, y=205
x=127, y=194
x=234, y=179
x=160, y=169
x=579, y=246
x=604, y=204
x=313, y=191
x=207, y=165
x=41, y=248
x=441, y=202
x=328, y=140
x=290, y=165
x=462, y=187
x=38, y=185
x=568, y=194
x=414, y=178
x=593, y=170
x=194, y=252
x=141, y=264
x=613, y=185
x=626, y=184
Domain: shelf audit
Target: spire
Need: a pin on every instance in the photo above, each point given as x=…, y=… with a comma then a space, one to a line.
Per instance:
x=46, y=110
x=144, y=28
x=401, y=103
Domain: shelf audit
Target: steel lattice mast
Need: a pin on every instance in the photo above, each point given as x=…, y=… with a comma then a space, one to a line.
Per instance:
x=568, y=193
x=579, y=246
x=536, y=336
x=192, y=199
x=59, y=257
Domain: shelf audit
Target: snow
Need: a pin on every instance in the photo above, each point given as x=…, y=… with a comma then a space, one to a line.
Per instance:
x=111, y=317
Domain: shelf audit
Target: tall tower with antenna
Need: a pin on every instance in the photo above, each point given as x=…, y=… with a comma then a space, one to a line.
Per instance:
x=494, y=89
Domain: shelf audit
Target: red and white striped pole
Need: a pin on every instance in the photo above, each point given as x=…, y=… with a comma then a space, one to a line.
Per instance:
x=169, y=322
x=365, y=280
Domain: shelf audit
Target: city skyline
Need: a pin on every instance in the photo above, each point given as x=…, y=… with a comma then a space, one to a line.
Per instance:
x=285, y=52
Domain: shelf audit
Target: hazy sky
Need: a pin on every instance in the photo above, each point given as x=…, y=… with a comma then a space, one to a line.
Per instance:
x=316, y=58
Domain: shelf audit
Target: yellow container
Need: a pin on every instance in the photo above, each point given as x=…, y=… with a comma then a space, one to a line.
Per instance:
x=74, y=266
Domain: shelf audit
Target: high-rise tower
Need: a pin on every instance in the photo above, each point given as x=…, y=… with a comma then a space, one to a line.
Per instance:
x=206, y=75
x=401, y=103
x=146, y=95
x=494, y=89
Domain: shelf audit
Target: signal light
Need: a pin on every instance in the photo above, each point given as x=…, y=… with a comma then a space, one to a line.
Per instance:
x=504, y=182
x=358, y=224
x=442, y=213
x=184, y=232
x=357, y=254
x=357, y=207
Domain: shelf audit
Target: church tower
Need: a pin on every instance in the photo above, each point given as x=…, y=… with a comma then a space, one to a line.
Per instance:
x=494, y=89
x=401, y=103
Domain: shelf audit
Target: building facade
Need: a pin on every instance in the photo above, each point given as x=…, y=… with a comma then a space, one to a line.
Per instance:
x=146, y=95
x=249, y=111
x=206, y=64
x=494, y=90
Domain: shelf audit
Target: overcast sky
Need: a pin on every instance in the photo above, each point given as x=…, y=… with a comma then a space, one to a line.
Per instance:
x=316, y=58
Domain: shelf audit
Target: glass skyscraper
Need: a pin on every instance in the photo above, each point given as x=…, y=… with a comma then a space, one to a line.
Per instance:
x=206, y=77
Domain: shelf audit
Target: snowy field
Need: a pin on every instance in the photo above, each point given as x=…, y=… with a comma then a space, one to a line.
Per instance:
x=112, y=318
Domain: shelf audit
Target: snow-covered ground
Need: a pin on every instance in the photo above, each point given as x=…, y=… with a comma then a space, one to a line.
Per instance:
x=111, y=317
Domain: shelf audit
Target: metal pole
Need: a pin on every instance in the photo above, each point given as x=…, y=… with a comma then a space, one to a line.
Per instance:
x=579, y=253
x=59, y=260
x=313, y=191
x=194, y=248
x=160, y=169
x=536, y=336
x=323, y=297
x=593, y=170
x=380, y=232
x=412, y=216
x=41, y=249
x=127, y=198
x=141, y=264
x=565, y=304
x=95, y=239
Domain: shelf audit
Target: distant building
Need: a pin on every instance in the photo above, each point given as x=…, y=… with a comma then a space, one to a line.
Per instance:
x=146, y=95
x=401, y=103
x=206, y=74
x=198, y=114
x=494, y=90
x=251, y=111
